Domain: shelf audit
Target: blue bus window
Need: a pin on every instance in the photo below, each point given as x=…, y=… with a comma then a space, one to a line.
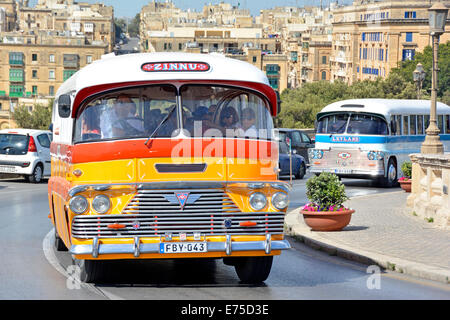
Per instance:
x=405, y=126
x=441, y=123
x=447, y=124
x=412, y=125
x=420, y=129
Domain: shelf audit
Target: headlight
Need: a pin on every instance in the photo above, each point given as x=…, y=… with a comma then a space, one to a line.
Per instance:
x=280, y=200
x=101, y=204
x=258, y=201
x=371, y=155
x=380, y=155
x=78, y=204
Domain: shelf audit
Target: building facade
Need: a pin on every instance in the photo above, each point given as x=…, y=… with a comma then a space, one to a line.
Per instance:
x=370, y=38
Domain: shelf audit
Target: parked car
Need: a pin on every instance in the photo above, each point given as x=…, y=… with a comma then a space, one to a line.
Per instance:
x=300, y=141
x=25, y=152
x=298, y=162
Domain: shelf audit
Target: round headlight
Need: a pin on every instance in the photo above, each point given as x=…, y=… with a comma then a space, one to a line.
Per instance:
x=380, y=155
x=101, y=204
x=280, y=200
x=258, y=201
x=78, y=204
x=371, y=155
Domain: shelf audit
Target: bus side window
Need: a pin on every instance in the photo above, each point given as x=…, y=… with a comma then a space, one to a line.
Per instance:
x=393, y=128
x=426, y=121
x=405, y=126
x=441, y=123
x=420, y=129
x=447, y=124
x=412, y=125
x=398, y=125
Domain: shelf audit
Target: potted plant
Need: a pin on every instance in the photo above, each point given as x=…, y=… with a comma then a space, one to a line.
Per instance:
x=326, y=211
x=405, y=181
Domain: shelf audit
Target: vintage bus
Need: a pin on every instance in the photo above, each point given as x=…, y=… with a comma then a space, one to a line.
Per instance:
x=166, y=156
x=372, y=138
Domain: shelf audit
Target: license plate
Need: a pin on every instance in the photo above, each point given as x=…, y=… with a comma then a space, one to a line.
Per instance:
x=7, y=169
x=183, y=247
x=343, y=171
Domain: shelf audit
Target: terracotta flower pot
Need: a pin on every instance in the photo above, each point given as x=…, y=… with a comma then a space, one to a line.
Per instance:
x=406, y=185
x=327, y=220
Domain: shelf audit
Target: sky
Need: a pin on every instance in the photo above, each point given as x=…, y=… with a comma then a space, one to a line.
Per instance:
x=129, y=8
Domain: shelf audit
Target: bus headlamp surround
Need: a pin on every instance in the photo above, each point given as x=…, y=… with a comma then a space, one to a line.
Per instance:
x=78, y=204
x=258, y=201
x=316, y=153
x=101, y=204
x=375, y=155
x=280, y=200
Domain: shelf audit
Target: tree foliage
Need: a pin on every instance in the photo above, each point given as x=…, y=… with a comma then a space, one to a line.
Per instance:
x=40, y=118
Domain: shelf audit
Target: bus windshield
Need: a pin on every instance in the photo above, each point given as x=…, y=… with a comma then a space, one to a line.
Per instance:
x=207, y=111
x=356, y=123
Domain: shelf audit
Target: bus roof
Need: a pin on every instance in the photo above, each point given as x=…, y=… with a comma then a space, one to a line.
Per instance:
x=385, y=106
x=135, y=68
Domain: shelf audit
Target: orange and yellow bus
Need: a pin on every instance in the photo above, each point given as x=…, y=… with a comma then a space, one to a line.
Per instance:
x=167, y=155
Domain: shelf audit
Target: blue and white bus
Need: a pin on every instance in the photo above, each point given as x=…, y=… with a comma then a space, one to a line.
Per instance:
x=371, y=138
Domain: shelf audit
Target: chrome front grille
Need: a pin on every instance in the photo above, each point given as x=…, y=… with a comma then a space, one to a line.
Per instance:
x=154, y=213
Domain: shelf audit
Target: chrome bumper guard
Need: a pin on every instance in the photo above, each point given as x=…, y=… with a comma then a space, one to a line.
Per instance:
x=136, y=248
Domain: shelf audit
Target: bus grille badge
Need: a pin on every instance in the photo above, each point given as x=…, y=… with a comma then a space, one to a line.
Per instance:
x=228, y=223
x=136, y=225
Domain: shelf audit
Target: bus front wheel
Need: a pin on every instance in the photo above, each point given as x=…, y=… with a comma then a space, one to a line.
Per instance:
x=253, y=269
x=390, y=180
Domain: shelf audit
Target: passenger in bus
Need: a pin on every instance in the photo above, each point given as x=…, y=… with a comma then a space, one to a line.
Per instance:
x=90, y=124
x=170, y=126
x=121, y=120
x=248, y=123
x=229, y=119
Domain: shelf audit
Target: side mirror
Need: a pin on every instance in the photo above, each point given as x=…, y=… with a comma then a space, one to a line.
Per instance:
x=64, y=103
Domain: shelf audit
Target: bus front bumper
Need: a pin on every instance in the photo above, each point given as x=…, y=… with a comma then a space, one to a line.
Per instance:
x=349, y=172
x=226, y=248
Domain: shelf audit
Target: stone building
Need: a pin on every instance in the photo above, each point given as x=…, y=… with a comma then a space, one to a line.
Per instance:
x=36, y=70
x=370, y=38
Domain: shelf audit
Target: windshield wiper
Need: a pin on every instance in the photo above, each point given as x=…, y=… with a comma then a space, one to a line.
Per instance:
x=160, y=125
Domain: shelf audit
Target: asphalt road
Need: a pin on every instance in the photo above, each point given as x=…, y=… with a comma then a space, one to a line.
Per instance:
x=31, y=269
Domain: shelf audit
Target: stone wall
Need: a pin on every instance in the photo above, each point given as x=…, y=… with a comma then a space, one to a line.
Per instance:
x=430, y=188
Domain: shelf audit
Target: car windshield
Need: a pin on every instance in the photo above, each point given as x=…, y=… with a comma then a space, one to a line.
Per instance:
x=225, y=111
x=359, y=124
x=13, y=144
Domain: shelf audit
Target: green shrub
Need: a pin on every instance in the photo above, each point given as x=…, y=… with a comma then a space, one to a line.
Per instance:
x=326, y=191
x=406, y=169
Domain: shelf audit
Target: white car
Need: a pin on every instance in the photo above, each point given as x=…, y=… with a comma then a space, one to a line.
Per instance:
x=25, y=152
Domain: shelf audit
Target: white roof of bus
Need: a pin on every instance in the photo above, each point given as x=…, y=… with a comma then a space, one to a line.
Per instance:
x=127, y=68
x=387, y=106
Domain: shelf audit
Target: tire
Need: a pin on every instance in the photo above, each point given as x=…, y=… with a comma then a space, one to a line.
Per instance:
x=58, y=243
x=37, y=175
x=90, y=270
x=253, y=270
x=301, y=171
x=390, y=180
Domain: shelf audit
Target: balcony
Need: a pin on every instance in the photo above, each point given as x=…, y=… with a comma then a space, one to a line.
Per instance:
x=16, y=75
x=71, y=61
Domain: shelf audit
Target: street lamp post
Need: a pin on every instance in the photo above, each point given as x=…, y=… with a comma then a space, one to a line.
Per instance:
x=418, y=77
x=437, y=19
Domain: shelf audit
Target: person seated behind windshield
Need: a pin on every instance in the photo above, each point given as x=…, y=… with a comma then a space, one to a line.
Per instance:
x=120, y=120
x=229, y=118
x=248, y=123
x=90, y=124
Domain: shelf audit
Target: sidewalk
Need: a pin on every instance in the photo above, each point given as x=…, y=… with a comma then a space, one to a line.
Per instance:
x=383, y=232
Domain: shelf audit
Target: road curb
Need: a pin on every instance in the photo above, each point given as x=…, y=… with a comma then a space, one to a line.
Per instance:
x=300, y=232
